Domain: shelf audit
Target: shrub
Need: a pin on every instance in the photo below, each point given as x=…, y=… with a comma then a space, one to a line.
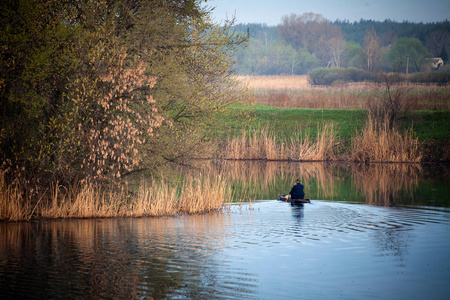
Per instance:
x=329, y=76
x=357, y=75
x=439, y=77
x=322, y=76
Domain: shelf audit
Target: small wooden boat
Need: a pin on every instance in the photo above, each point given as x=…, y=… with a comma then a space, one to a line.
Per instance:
x=287, y=198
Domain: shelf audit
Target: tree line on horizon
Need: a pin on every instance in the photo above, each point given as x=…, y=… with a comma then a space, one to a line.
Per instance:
x=301, y=43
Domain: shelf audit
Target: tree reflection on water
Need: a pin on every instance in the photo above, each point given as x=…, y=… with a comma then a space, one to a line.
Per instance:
x=382, y=184
x=249, y=250
x=113, y=258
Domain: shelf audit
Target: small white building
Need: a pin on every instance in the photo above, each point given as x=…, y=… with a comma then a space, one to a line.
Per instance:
x=436, y=62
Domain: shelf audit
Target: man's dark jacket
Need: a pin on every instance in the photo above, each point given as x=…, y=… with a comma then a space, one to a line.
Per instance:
x=297, y=191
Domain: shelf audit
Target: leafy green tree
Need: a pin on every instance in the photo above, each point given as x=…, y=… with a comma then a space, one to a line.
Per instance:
x=352, y=56
x=246, y=57
x=37, y=59
x=407, y=54
x=305, y=61
x=279, y=58
x=195, y=83
x=92, y=89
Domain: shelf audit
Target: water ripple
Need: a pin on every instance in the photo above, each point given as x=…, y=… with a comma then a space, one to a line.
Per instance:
x=267, y=250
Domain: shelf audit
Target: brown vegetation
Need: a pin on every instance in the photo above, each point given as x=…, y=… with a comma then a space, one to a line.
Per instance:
x=295, y=91
x=380, y=143
x=278, y=82
x=158, y=198
x=261, y=144
x=377, y=142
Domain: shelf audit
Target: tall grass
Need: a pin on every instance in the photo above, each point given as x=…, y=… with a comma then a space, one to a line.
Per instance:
x=288, y=82
x=155, y=198
x=262, y=144
x=379, y=143
x=192, y=196
x=326, y=98
x=347, y=98
x=295, y=91
x=13, y=204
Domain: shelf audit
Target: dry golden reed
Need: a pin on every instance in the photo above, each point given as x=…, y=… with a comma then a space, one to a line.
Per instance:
x=262, y=144
x=194, y=195
x=295, y=91
x=284, y=82
x=379, y=143
x=13, y=205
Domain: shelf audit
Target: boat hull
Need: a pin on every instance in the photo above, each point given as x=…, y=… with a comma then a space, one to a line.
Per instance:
x=287, y=198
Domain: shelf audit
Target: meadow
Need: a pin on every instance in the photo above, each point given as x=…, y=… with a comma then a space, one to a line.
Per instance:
x=295, y=92
x=292, y=120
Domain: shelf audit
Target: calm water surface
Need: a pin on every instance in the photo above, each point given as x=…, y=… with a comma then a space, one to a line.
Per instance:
x=385, y=242
x=262, y=250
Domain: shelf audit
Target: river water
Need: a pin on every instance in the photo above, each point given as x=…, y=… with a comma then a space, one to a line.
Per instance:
x=356, y=246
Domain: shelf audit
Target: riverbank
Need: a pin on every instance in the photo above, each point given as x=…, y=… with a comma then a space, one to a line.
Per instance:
x=207, y=185
x=273, y=127
x=266, y=133
x=187, y=194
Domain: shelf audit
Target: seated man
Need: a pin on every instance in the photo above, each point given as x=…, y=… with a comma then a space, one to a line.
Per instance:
x=297, y=191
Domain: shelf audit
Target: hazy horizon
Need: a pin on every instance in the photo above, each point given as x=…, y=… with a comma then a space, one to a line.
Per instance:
x=271, y=12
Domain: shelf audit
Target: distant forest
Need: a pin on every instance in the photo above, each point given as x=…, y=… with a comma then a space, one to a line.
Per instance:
x=301, y=43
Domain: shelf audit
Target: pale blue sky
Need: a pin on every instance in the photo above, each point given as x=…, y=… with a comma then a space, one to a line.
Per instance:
x=271, y=11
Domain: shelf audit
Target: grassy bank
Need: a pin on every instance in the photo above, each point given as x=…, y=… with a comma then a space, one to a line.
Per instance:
x=281, y=125
x=284, y=121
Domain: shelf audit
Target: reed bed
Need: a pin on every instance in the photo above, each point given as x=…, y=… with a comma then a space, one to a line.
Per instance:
x=13, y=204
x=339, y=98
x=319, y=98
x=379, y=143
x=277, y=82
x=261, y=144
x=193, y=195
x=300, y=82
x=295, y=92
